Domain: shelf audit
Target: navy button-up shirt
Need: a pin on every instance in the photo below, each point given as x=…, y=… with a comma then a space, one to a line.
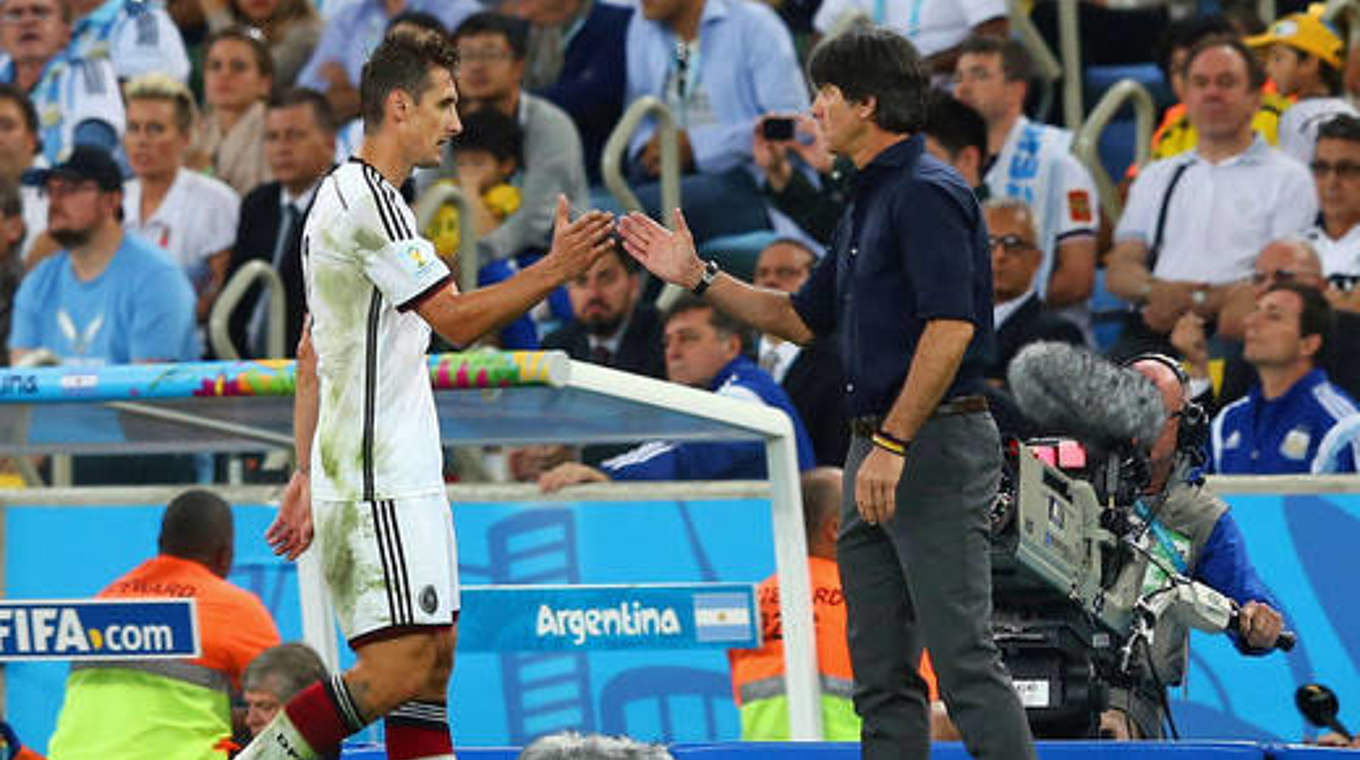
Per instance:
x=911, y=247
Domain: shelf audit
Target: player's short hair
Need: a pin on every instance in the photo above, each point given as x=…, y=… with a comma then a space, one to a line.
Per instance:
x=492, y=131
x=197, y=524
x=874, y=62
x=515, y=31
x=291, y=666
x=1340, y=127
x=297, y=96
x=419, y=19
x=955, y=125
x=1016, y=65
x=250, y=37
x=163, y=87
x=401, y=62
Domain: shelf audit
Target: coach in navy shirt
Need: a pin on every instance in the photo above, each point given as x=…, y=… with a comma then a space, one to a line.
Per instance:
x=906, y=292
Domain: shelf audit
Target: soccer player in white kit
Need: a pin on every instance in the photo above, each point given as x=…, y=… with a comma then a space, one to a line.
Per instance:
x=370, y=469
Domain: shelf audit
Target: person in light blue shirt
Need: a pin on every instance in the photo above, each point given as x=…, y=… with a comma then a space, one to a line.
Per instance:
x=1293, y=420
x=719, y=65
x=107, y=297
x=137, y=36
x=352, y=34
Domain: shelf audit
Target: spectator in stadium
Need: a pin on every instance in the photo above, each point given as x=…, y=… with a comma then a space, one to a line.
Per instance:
x=487, y=155
x=19, y=148
x=703, y=350
x=1285, y=423
x=107, y=297
x=1335, y=235
x=171, y=708
x=274, y=676
x=758, y=684
x=614, y=325
x=491, y=50
x=1193, y=224
x=1285, y=260
x=136, y=36
x=76, y=99
x=190, y=215
x=1017, y=313
x=1303, y=58
x=1032, y=162
x=716, y=96
x=1198, y=534
x=814, y=206
x=935, y=27
x=576, y=60
x=291, y=29
x=811, y=374
x=957, y=135
x=352, y=33
x=299, y=142
x=1177, y=134
x=569, y=745
x=237, y=77
x=11, y=257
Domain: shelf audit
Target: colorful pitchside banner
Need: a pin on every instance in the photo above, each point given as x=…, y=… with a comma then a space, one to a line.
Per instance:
x=573, y=618
x=97, y=629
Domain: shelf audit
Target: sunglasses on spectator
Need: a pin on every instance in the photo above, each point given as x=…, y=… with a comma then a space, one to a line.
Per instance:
x=1009, y=243
x=1343, y=169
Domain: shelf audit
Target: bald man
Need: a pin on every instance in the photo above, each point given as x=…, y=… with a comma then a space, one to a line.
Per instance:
x=1198, y=533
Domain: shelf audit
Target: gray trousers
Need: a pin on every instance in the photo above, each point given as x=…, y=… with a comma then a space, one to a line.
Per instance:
x=923, y=579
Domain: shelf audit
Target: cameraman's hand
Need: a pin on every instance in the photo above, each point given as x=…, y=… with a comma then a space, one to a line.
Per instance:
x=876, y=485
x=810, y=144
x=1259, y=624
x=772, y=157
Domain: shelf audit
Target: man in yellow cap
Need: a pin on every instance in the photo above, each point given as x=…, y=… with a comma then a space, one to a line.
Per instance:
x=1303, y=55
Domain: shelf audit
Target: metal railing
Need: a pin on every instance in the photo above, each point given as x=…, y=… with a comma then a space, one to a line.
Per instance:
x=1086, y=141
x=428, y=204
x=1347, y=13
x=219, y=319
x=1046, y=64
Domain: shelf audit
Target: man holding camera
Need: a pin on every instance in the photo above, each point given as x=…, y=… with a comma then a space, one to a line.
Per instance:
x=1194, y=533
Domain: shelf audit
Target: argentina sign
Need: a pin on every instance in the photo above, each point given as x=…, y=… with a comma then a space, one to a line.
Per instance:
x=98, y=629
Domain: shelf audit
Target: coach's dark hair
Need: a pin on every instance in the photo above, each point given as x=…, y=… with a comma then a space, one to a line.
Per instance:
x=1316, y=316
x=197, y=525
x=723, y=323
x=298, y=96
x=515, y=31
x=1256, y=71
x=873, y=62
x=17, y=96
x=401, y=62
x=492, y=131
x=955, y=125
x=1016, y=64
x=1341, y=127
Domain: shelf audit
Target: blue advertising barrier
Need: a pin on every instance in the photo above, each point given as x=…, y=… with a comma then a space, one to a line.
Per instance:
x=97, y=630
x=1303, y=546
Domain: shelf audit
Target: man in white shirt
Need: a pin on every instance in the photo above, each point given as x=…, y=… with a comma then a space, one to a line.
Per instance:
x=1336, y=233
x=935, y=27
x=1033, y=162
x=1303, y=58
x=191, y=215
x=1194, y=223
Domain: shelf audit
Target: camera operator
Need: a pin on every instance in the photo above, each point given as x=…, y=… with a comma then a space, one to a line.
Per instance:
x=1193, y=532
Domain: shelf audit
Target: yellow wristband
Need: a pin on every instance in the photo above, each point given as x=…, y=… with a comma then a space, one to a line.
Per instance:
x=889, y=444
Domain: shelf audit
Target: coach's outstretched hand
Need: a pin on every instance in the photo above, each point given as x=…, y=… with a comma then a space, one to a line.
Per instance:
x=668, y=255
x=576, y=245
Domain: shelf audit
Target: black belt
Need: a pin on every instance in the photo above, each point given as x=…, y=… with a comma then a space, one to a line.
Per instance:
x=868, y=424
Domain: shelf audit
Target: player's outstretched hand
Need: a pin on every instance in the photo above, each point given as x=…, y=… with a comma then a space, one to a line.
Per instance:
x=576, y=245
x=291, y=532
x=668, y=255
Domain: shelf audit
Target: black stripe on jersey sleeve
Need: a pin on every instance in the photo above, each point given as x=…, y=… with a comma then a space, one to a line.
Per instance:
x=379, y=202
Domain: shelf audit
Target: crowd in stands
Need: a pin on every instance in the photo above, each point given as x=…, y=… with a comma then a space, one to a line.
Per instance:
x=149, y=152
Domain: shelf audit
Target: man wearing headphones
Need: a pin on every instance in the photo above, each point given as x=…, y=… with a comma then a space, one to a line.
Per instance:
x=1193, y=532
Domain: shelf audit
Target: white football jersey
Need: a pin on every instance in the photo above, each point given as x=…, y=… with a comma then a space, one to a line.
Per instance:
x=377, y=436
